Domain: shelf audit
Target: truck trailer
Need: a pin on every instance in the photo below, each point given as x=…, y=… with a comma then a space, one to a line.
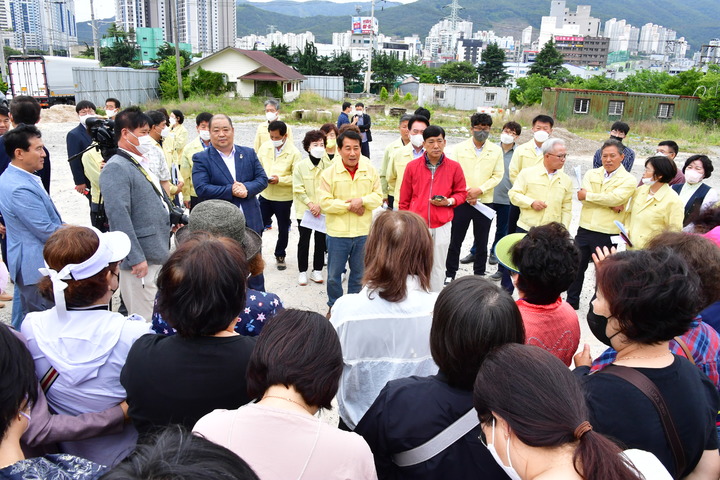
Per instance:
x=48, y=79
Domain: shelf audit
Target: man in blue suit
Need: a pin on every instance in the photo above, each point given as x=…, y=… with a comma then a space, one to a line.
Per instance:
x=77, y=140
x=230, y=172
x=29, y=213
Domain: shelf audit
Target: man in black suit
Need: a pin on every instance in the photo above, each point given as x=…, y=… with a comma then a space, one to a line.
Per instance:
x=363, y=123
x=77, y=140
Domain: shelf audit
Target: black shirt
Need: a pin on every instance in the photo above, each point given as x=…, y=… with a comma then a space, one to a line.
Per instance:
x=621, y=411
x=409, y=412
x=178, y=380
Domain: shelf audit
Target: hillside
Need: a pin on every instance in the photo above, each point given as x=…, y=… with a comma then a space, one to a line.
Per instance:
x=84, y=29
x=697, y=21
x=313, y=8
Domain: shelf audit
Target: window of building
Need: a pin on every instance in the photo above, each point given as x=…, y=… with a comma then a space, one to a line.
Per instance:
x=582, y=105
x=666, y=110
x=440, y=94
x=490, y=97
x=616, y=107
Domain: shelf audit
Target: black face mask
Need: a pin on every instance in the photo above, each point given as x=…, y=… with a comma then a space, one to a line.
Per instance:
x=598, y=325
x=617, y=138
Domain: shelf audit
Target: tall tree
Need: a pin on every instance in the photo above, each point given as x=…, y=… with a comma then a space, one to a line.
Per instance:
x=343, y=65
x=387, y=68
x=281, y=52
x=123, y=52
x=492, y=69
x=166, y=50
x=309, y=63
x=457, y=72
x=548, y=63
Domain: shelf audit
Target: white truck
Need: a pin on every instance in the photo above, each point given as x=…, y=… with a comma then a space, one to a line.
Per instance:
x=48, y=79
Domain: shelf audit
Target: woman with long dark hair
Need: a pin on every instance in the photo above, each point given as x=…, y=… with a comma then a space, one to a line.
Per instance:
x=535, y=422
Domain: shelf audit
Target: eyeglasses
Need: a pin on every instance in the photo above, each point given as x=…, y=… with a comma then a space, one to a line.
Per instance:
x=564, y=155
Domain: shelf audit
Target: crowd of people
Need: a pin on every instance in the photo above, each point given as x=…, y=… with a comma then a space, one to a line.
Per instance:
x=200, y=371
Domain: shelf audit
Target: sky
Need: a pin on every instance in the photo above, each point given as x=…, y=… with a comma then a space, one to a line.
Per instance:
x=82, y=8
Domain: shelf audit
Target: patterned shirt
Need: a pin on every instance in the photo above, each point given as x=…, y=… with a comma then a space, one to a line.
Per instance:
x=53, y=467
x=259, y=307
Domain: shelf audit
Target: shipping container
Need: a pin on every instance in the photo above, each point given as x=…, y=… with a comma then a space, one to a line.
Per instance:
x=48, y=79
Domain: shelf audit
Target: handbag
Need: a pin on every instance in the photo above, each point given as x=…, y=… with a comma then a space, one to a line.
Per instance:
x=650, y=390
x=99, y=217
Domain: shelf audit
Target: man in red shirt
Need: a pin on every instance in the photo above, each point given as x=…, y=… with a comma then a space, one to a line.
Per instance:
x=432, y=186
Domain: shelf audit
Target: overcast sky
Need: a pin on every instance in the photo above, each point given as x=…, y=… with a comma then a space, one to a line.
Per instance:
x=104, y=8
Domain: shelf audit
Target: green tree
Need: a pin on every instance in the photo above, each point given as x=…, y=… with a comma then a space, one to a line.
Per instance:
x=166, y=50
x=596, y=82
x=645, y=81
x=457, y=72
x=343, y=65
x=168, y=79
x=429, y=77
x=529, y=89
x=281, y=52
x=309, y=63
x=684, y=83
x=709, y=109
x=548, y=63
x=384, y=95
x=387, y=68
x=492, y=69
x=396, y=95
x=123, y=52
x=204, y=83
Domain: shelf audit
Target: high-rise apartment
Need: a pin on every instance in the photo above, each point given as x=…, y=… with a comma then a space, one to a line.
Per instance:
x=38, y=24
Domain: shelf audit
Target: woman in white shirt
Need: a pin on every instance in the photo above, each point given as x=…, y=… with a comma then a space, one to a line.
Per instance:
x=385, y=329
x=80, y=345
x=695, y=194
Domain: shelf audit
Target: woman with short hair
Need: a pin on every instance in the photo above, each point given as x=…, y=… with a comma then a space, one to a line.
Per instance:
x=695, y=194
x=384, y=329
x=293, y=372
x=650, y=297
x=471, y=317
x=536, y=423
x=80, y=346
x=180, y=378
x=654, y=207
x=331, y=133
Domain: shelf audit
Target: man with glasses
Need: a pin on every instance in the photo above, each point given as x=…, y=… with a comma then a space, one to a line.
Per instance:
x=544, y=192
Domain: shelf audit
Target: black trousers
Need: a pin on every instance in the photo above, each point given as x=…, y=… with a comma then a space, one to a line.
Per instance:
x=304, y=249
x=365, y=148
x=586, y=241
x=281, y=210
x=506, y=281
x=464, y=214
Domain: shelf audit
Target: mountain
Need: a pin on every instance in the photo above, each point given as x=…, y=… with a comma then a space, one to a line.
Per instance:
x=697, y=21
x=312, y=8
x=84, y=29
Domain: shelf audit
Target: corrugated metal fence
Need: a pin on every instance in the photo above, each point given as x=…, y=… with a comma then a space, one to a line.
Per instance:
x=328, y=87
x=128, y=85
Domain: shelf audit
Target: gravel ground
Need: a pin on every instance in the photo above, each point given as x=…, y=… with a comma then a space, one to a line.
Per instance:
x=74, y=209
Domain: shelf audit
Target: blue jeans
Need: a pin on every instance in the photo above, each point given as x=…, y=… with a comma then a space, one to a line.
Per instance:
x=341, y=251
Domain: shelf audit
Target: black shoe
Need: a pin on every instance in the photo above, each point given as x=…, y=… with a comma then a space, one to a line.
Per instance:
x=469, y=259
x=496, y=276
x=281, y=263
x=575, y=305
x=447, y=281
x=493, y=259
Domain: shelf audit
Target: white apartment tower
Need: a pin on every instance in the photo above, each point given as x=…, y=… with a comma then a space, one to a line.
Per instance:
x=38, y=24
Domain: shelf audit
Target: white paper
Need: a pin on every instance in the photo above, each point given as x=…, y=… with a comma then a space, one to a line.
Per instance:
x=578, y=175
x=485, y=210
x=312, y=222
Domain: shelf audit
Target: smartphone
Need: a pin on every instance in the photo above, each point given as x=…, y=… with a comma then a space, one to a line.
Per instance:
x=438, y=197
x=623, y=233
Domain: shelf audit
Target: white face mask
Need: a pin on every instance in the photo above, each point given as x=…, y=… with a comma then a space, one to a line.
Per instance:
x=317, y=152
x=204, y=135
x=660, y=154
x=110, y=113
x=358, y=112
x=165, y=132
x=84, y=118
x=648, y=181
x=506, y=138
x=271, y=116
x=417, y=140
x=278, y=143
x=172, y=121
x=145, y=143
x=540, y=136
x=693, y=176
x=509, y=471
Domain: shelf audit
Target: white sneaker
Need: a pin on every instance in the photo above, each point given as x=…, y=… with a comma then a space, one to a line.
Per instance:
x=302, y=278
x=448, y=280
x=316, y=276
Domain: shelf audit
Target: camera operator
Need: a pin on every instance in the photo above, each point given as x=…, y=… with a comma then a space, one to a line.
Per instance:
x=135, y=204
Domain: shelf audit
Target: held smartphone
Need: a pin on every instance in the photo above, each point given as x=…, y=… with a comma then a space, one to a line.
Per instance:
x=438, y=198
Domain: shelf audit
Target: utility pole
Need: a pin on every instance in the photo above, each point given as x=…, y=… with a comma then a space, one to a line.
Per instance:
x=178, y=72
x=96, y=48
x=48, y=14
x=368, y=72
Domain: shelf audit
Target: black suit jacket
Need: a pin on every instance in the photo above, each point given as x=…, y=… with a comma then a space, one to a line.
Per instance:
x=77, y=140
x=365, y=127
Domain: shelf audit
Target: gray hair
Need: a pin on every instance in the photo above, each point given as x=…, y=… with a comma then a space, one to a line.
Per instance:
x=405, y=118
x=551, y=143
x=219, y=115
x=273, y=102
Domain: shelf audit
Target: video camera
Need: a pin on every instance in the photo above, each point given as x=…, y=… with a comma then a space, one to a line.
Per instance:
x=102, y=131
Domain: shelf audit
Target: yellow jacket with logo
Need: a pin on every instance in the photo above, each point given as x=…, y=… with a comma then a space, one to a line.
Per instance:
x=262, y=135
x=306, y=183
x=396, y=168
x=186, y=166
x=92, y=164
x=280, y=164
x=597, y=214
x=337, y=186
x=390, y=151
x=651, y=215
x=525, y=155
x=482, y=171
x=534, y=183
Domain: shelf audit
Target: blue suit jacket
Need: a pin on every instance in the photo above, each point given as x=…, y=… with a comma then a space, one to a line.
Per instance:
x=30, y=217
x=77, y=140
x=44, y=174
x=212, y=180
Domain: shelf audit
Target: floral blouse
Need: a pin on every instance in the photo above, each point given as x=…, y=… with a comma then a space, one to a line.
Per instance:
x=53, y=467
